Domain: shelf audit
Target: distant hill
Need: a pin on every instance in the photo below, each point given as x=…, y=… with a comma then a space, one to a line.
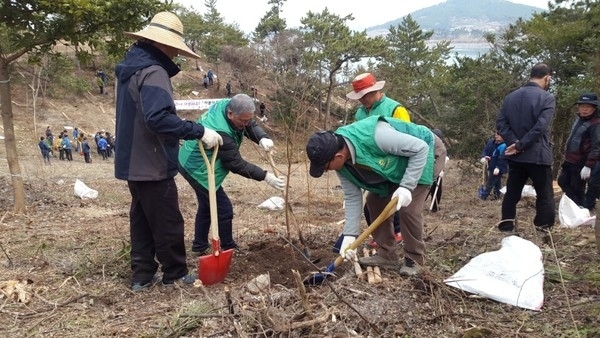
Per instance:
x=464, y=19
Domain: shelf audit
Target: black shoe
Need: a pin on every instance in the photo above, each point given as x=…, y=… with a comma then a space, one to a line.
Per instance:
x=185, y=280
x=198, y=253
x=506, y=226
x=137, y=287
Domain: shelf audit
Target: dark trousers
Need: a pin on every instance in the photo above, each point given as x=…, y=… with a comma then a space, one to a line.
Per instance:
x=86, y=157
x=541, y=176
x=69, y=154
x=571, y=183
x=436, y=194
x=156, y=230
x=493, y=184
x=61, y=154
x=202, y=225
x=103, y=153
x=593, y=188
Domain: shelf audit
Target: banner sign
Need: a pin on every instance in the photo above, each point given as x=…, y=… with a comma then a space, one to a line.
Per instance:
x=194, y=104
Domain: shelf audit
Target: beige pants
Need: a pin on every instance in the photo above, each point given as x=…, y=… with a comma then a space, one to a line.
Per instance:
x=411, y=217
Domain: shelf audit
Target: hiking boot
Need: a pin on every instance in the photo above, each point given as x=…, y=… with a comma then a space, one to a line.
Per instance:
x=185, y=280
x=137, y=287
x=409, y=268
x=377, y=260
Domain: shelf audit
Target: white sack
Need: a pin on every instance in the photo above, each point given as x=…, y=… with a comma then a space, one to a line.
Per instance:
x=272, y=203
x=513, y=275
x=83, y=191
x=528, y=191
x=571, y=215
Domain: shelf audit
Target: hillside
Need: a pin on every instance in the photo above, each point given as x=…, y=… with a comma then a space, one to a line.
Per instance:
x=70, y=256
x=464, y=19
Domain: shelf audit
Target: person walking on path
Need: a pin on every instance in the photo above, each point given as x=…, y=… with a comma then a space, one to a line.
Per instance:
x=228, y=88
x=85, y=148
x=45, y=149
x=493, y=156
x=233, y=119
x=66, y=146
x=582, y=152
x=148, y=131
x=524, y=123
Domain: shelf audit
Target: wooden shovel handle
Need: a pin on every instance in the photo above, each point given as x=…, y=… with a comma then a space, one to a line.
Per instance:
x=212, y=191
x=276, y=171
x=387, y=212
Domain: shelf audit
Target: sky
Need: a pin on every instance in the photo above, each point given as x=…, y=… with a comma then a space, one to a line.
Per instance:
x=367, y=13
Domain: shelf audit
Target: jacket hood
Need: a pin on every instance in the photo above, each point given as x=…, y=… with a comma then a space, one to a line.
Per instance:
x=143, y=55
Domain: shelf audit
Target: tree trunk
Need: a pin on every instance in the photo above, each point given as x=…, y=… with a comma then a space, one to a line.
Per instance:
x=9, y=138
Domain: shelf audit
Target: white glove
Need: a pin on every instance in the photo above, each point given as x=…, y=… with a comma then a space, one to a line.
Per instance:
x=349, y=255
x=484, y=159
x=275, y=182
x=447, y=159
x=266, y=143
x=585, y=173
x=404, y=197
x=441, y=174
x=496, y=171
x=211, y=138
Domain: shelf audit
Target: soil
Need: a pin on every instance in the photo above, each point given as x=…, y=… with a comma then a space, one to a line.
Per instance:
x=71, y=257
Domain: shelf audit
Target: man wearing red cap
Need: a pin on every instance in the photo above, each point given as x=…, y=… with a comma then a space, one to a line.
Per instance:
x=367, y=90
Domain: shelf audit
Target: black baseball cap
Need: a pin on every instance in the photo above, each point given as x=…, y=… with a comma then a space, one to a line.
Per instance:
x=321, y=148
x=588, y=98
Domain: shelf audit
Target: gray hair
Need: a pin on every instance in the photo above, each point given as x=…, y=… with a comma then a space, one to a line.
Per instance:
x=241, y=103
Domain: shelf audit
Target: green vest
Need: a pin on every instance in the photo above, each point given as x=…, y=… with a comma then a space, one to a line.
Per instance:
x=383, y=107
x=391, y=167
x=190, y=157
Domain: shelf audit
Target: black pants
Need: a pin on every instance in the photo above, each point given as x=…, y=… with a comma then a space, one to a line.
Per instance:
x=156, y=230
x=86, y=156
x=541, y=176
x=493, y=184
x=202, y=225
x=571, y=183
x=593, y=188
x=436, y=194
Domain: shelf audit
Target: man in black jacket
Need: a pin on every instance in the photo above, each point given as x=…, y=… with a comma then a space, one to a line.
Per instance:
x=148, y=132
x=524, y=124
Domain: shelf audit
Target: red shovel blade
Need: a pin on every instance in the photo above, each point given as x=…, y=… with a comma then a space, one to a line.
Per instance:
x=213, y=268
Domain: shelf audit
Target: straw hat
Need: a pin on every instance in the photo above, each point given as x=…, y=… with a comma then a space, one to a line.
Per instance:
x=362, y=84
x=165, y=28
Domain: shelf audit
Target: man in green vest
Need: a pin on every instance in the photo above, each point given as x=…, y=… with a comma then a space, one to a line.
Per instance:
x=389, y=158
x=367, y=90
x=233, y=119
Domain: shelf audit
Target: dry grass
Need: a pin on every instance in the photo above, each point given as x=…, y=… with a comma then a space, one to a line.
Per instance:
x=76, y=254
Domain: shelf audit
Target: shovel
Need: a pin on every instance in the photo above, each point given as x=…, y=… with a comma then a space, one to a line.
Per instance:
x=481, y=191
x=319, y=278
x=306, y=249
x=213, y=268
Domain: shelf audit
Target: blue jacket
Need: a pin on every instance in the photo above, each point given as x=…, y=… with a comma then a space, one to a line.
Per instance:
x=495, y=151
x=65, y=143
x=525, y=116
x=147, y=125
x=85, y=147
x=44, y=148
x=102, y=144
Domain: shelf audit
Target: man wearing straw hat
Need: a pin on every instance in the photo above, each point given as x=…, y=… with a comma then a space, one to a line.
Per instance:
x=148, y=131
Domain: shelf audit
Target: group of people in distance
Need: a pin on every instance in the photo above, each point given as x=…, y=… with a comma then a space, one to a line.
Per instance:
x=382, y=153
